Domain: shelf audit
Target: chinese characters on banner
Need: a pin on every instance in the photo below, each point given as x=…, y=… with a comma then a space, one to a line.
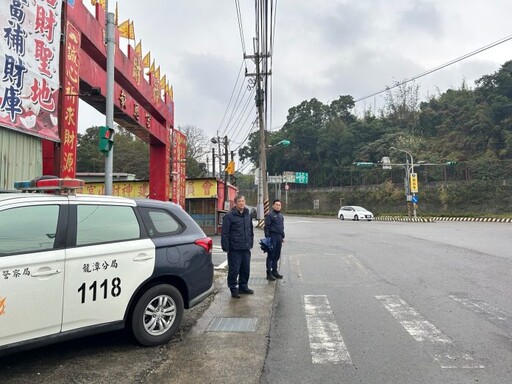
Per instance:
x=70, y=101
x=179, y=146
x=200, y=189
x=133, y=189
x=29, y=66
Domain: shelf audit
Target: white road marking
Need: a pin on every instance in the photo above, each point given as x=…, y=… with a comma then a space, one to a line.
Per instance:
x=362, y=270
x=441, y=346
x=494, y=315
x=325, y=340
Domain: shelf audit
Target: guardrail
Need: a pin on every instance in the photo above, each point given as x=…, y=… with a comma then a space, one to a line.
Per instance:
x=440, y=218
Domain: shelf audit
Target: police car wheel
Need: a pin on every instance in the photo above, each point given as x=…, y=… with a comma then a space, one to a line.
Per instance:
x=157, y=315
x=356, y=218
x=341, y=217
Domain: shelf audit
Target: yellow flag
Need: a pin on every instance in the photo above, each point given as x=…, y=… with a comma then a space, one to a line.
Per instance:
x=124, y=29
x=93, y=2
x=138, y=48
x=171, y=93
x=163, y=80
x=157, y=74
x=146, y=61
x=151, y=68
x=102, y=3
x=131, y=31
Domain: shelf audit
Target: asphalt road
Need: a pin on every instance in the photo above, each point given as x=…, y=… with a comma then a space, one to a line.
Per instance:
x=389, y=302
x=361, y=302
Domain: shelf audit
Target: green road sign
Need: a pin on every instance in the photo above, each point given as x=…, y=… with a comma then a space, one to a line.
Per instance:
x=364, y=164
x=301, y=177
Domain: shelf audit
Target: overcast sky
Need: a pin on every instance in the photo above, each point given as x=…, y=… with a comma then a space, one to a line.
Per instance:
x=323, y=49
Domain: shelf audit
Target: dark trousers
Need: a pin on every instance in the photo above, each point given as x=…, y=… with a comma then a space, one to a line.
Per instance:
x=239, y=268
x=275, y=255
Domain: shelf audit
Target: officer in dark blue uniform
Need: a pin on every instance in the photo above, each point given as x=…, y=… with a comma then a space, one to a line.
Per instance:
x=237, y=238
x=274, y=228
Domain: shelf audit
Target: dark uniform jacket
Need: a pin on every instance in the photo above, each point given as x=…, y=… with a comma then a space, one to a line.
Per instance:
x=274, y=224
x=237, y=231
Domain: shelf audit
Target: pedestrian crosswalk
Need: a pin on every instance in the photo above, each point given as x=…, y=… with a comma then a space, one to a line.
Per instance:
x=435, y=341
x=326, y=342
x=327, y=345
x=217, y=249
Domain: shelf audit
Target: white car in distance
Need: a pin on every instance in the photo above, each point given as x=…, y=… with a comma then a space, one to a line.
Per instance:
x=354, y=212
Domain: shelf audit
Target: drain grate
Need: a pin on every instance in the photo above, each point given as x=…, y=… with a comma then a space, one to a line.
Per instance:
x=232, y=324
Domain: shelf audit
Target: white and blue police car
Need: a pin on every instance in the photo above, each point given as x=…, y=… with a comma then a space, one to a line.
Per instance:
x=72, y=265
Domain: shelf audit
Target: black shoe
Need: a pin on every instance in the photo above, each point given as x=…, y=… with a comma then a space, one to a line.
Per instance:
x=276, y=274
x=247, y=291
x=270, y=277
x=235, y=294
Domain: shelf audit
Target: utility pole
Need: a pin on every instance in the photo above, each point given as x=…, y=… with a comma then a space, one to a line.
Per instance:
x=260, y=59
x=219, y=155
x=213, y=162
x=109, y=96
x=233, y=179
x=226, y=175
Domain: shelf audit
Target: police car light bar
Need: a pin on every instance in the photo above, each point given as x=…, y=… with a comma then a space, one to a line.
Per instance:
x=49, y=185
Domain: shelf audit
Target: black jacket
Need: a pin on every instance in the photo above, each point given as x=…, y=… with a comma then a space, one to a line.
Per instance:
x=237, y=231
x=274, y=224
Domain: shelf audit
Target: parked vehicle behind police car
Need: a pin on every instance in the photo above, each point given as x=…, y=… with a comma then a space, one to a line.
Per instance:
x=75, y=265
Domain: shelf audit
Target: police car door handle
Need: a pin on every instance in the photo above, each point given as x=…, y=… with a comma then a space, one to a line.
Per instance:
x=47, y=272
x=143, y=257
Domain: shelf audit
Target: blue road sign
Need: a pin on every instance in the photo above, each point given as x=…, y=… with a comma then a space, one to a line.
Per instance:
x=415, y=199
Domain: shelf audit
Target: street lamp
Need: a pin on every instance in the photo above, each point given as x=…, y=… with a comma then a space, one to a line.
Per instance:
x=408, y=172
x=282, y=143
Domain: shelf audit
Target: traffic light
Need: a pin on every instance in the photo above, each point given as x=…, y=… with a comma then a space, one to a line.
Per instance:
x=451, y=163
x=364, y=164
x=106, y=140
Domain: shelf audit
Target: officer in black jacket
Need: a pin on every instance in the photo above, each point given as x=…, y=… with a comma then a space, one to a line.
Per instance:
x=237, y=238
x=274, y=228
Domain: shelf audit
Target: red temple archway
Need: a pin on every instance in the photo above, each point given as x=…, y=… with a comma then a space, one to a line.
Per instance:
x=138, y=103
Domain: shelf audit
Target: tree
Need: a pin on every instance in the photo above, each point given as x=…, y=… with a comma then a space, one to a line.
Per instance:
x=131, y=155
x=89, y=158
x=402, y=106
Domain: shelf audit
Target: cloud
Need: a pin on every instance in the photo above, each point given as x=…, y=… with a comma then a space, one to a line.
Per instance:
x=323, y=49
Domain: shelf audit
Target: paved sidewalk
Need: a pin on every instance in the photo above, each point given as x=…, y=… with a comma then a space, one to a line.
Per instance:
x=229, y=342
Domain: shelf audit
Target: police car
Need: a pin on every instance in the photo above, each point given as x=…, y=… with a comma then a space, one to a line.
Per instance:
x=74, y=264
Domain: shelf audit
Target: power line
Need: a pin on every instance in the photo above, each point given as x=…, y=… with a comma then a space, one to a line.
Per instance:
x=232, y=93
x=237, y=121
x=398, y=84
x=239, y=102
x=251, y=130
x=240, y=26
